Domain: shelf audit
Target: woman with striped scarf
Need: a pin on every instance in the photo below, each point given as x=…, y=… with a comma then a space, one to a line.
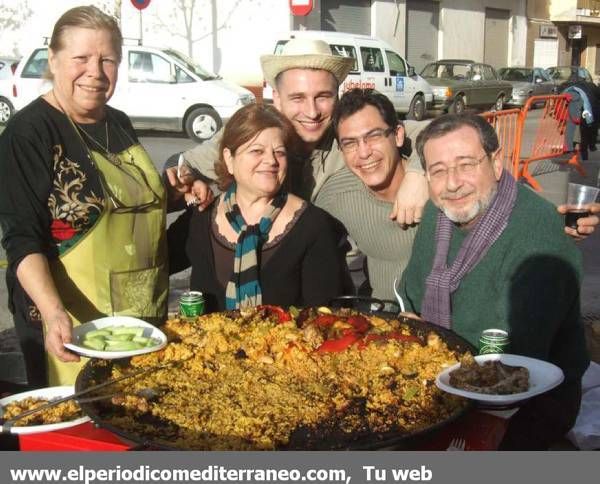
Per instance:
x=257, y=243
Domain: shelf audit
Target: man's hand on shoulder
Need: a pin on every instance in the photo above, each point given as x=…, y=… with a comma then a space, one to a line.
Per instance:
x=410, y=199
x=201, y=195
x=181, y=183
x=585, y=225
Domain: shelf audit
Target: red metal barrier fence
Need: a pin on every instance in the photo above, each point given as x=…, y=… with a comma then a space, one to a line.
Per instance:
x=549, y=138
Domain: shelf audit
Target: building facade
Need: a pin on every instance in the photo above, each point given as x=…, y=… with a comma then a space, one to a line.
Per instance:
x=492, y=31
x=564, y=33
x=228, y=36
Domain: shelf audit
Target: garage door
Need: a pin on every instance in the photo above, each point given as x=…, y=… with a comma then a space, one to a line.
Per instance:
x=545, y=52
x=346, y=16
x=422, y=24
x=496, y=37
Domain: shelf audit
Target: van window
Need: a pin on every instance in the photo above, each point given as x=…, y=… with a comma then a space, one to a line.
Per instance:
x=182, y=76
x=279, y=46
x=148, y=67
x=36, y=65
x=345, y=51
x=396, y=63
x=372, y=59
x=190, y=65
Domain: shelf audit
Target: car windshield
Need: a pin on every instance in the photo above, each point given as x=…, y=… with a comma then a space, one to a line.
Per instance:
x=446, y=71
x=561, y=73
x=191, y=65
x=520, y=74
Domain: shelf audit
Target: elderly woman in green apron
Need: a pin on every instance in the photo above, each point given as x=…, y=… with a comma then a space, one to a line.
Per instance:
x=82, y=207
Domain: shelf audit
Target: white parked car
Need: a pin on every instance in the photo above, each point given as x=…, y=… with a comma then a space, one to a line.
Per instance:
x=8, y=66
x=376, y=65
x=157, y=88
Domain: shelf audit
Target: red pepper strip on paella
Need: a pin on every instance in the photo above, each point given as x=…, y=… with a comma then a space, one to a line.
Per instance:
x=326, y=320
x=338, y=345
x=272, y=310
x=359, y=323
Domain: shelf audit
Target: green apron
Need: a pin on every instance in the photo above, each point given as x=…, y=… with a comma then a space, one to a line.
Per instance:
x=119, y=267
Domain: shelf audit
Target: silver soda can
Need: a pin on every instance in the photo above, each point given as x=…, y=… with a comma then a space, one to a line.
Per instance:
x=493, y=341
x=191, y=304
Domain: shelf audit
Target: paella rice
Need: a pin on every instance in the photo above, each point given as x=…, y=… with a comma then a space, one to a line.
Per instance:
x=251, y=381
x=63, y=412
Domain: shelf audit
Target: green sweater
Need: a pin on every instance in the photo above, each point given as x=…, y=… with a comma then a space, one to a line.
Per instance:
x=367, y=219
x=528, y=283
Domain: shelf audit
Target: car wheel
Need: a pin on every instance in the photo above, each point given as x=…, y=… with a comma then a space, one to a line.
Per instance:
x=499, y=104
x=458, y=106
x=6, y=110
x=202, y=124
x=416, y=110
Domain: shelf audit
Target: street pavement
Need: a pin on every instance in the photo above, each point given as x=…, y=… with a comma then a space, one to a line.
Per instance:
x=160, y=148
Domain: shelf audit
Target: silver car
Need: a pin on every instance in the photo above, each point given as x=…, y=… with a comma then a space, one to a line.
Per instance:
x=561, y=74
x=527, y=82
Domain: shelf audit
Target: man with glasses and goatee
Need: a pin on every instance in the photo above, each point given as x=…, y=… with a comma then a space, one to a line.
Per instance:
x=490, y=253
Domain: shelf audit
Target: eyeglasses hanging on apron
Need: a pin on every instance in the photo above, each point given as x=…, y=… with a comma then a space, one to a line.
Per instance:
x=129, y=169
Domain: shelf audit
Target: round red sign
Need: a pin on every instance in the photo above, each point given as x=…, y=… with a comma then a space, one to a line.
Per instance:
x=301, y=7
x=140, y=4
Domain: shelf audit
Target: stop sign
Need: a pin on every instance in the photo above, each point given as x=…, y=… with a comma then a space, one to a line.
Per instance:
x=140, y=4
x=301, y=7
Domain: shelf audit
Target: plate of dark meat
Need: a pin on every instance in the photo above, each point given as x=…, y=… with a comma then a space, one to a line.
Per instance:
x=499, y=379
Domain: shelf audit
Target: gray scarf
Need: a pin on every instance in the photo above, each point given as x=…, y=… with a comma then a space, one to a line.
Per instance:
x=444, y=280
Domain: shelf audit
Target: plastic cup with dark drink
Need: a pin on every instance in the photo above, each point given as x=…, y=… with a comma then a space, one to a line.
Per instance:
x=579, y=197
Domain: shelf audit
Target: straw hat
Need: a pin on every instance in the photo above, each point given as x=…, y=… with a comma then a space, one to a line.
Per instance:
x=305, y=54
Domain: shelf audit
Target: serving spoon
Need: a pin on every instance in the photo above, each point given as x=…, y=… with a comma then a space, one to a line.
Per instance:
x=147, y=393
x=7, y=425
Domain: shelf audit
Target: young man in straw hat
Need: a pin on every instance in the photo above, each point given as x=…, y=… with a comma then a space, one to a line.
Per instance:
x=305, y=78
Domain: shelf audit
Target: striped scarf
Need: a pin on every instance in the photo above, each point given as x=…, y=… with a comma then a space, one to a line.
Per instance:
x=443, y=280
x=243, y=288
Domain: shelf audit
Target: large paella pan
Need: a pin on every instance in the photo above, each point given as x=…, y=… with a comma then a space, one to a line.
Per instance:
x=264, y=379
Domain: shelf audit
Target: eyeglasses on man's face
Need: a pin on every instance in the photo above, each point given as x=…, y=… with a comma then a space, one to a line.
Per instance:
x=350, y=145
x=465, y=167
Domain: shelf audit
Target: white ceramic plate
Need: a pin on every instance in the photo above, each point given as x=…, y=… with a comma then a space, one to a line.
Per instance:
x=49, y=394
x=543, y=376
x=79, y=333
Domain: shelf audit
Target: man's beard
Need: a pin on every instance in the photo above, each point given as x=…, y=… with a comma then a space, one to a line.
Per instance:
x=478, y=208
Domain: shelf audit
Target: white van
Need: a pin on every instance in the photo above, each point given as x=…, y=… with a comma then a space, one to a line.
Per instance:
x=376, y=66
x=157, y=88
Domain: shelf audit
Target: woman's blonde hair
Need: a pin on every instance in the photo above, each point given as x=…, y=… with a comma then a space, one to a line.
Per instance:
x=244, y=126
x=87, y=17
